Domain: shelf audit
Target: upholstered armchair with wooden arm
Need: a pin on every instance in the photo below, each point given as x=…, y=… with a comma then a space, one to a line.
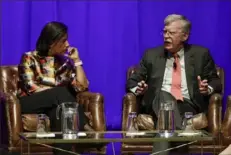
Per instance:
x=213, y=122
x=13, y=122
x=226, y=124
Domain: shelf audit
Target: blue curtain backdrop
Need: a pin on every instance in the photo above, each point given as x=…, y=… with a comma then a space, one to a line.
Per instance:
x=112, y=35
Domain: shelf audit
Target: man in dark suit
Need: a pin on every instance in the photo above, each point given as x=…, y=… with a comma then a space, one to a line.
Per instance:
x=185, y=71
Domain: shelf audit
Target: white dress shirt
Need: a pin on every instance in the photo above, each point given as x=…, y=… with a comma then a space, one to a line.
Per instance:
x=167, y=81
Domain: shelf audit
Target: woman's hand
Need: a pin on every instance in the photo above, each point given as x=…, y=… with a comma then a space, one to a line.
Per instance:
x=73, y=54
x=43, y=88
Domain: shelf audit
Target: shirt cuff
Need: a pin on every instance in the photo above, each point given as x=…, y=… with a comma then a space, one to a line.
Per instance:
x=133, y=90
x=210, y=89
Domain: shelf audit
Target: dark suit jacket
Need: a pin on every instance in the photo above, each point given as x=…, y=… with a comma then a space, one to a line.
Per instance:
x=198, y=61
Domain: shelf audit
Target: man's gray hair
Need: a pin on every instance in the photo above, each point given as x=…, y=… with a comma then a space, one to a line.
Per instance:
x=175, y=17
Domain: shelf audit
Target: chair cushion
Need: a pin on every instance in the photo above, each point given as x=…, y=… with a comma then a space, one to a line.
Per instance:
x=200, y=121
x=145, y=122
x=29, y=121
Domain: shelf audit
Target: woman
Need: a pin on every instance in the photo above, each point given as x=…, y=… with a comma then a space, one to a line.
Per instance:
x=51, y=75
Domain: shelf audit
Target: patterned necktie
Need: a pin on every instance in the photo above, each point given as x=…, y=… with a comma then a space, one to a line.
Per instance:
x=176, y=79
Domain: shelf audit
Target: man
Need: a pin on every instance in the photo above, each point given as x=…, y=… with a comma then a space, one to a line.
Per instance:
x=185, y=71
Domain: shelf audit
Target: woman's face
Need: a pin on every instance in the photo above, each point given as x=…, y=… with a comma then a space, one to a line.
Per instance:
x=59, y=47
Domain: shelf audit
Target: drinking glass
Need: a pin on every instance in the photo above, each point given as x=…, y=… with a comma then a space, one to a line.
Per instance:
x=42, y=124
x=166, y=116
x=131, y=124
x=187, y=121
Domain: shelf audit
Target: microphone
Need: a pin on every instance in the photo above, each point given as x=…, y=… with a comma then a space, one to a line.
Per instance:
x=174, y=65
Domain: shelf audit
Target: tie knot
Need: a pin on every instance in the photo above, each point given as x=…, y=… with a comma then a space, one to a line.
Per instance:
x=176, y=56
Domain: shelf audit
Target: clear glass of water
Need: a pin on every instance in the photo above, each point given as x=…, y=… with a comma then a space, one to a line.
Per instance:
x=131, y=123
x=42, y=124
x=187, y=121
x=166, y=123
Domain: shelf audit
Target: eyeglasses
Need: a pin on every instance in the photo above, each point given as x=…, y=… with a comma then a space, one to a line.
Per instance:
x=164, y=32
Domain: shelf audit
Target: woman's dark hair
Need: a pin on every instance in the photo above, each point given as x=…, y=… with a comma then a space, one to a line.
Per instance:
x=51, y=32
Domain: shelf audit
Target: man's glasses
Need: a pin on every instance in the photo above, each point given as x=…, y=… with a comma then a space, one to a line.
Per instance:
x=169, y=33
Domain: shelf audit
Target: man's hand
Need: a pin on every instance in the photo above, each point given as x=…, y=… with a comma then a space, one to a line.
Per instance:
x=141, y=87
x=203, y=86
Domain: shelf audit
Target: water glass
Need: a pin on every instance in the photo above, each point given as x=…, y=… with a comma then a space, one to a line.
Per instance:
x=42, y=124
x=166, y=123
x=131, y=123
x=187, y=121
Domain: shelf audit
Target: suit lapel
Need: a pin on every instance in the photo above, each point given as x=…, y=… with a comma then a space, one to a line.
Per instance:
x=189, y=69
x=161, y=67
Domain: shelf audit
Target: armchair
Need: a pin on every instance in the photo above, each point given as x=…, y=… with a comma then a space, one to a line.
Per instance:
x=13, y=122
x=226, y=124
x=131, y=102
